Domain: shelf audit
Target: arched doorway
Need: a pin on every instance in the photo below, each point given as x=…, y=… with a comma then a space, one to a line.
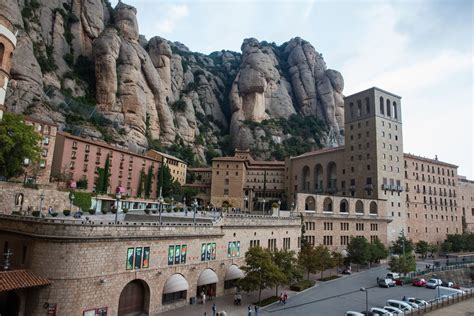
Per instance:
x=344, y=206
x=327, y=207
x=207, y=283
x=305, y=184
x=310, y=204
x=318, y=178
x=9, y=304
x=232, y=275
x=175, y=289
x=332, y=177
x=373, y=208
x=359, y=207
x=134, y=299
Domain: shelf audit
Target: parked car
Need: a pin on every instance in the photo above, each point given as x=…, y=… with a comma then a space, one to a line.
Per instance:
x=380, y=311
x=447, y=284
x=412, y=304
x=394, y=310
x=348, y=272
x=404, y=306
x=386, y=283
x=399, y=281
x=392, y=275
x=419, y=282
x=418, y=301
x=352, y=313
x=433, y=283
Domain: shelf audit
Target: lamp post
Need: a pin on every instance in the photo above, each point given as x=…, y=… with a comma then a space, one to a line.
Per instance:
x=245, y=203
x=172, y=201
x=161, y=207
x=363, y=289
x=263, y=207
x=185, y=209
x=279, y=207
x=195, y=204
x=118, y=196
x=41, y=201
x=71, y=200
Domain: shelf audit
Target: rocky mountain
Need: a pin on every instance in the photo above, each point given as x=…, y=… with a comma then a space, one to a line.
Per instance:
x=84, y=65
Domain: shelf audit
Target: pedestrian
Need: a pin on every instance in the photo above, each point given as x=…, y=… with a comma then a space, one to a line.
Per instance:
x=281, y=298
x=378, y=280
x=256, y=310
x=50, y=210
x=285, y=297
x=203, y=297
x=249, y=310
x=214, y=309
x=404, y=298
x=236, y=299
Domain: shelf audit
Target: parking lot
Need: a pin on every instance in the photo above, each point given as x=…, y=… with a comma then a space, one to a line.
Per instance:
x=341, y=295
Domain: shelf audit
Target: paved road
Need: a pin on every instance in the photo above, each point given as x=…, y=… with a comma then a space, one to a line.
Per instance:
x=341, y=295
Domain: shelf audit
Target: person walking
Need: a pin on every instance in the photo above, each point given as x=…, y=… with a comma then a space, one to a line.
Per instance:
x=285, y=297
x=203, y=296
x=256, y=310
x=214, y=309
x=249, y=310
x=281, y=298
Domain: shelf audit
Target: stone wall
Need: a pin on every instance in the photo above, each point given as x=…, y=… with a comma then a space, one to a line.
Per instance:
x=9, y=192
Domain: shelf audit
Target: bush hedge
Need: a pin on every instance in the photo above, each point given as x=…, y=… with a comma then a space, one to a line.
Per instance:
x=67, y=212
x=302, y=285
x=36, y=213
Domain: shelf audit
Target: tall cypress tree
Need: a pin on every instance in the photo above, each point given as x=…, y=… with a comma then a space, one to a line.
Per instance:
x=148, y=182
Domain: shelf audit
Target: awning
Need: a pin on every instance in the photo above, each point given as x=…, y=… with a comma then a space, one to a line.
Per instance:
x=234, y=273
x=207, y=277
x=20, y=279
x=175, y=283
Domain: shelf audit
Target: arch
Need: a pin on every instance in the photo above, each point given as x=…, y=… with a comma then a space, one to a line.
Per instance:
x=134, y=298
x=373, y=208
x=327, y=205
x=175, y=289
x=232, y=275
x=305, y=179
x=318, y=178
x=310, y=204
x=382, y=106
x=351, y=109
x=332, y=177
x=2, y=52
x=388, y=108
x=207, y=276
x=9, y=303
x=395, y=112
x=359, y=209
x=344, y=206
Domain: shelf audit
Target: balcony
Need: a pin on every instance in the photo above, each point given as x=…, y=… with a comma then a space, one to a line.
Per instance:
x=332, y=190
x=369, y=187
x=385, y=186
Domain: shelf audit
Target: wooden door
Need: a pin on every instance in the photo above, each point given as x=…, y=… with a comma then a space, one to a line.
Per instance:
x=132, y=299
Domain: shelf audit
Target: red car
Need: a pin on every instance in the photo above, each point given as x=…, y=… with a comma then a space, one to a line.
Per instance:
x=419, y=282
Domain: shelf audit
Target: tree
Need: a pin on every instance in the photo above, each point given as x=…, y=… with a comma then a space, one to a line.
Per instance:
x=286, y=262
x=337, y=258
x=323, y=259
x=18, y=142
x=103, y=180
x=306, y=259
x=261, y=271
x=165, y=181
x=433, y=248
x=358, y=250
x=402, y=264
x=446, y=246
x=141, y=182
x=422, y=248
x=148, y=182
x=378, y=251
x=402, y=243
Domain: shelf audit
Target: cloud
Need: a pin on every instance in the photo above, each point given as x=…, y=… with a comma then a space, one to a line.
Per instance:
x=308, y=9
x=173, y=14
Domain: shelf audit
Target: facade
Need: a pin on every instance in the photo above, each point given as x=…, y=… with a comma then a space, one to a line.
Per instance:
x=246, y=184
x=431, y=199
x=40, y=172
x=78, y=159
x=177, y=166
x=200, y=179
x=466, y=201
x=7, y=46
x=127, y=269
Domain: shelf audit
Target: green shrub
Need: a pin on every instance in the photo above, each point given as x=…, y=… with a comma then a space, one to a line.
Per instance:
x=125, y=210
x=329, y=278
x=168, y=210
x=178, y=106
x=92, y=211
x=69, y=59
x=36, y=213
x=267, y=301
x=16, y=213
x=103, y=211
x=114, y=211
x=54, y=214
x=302, y=285
x=83, y=200
x=67, y=212
x=147, y=211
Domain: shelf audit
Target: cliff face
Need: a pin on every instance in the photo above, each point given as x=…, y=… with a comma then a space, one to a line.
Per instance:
x=85, y=66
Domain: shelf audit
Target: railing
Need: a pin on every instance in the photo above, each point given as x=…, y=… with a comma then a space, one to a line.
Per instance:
x=441, y=302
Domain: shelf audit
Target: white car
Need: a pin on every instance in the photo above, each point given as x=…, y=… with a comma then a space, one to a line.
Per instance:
x=433, y=283
x=351, y=313
x=393, y=275
x=417, y=301
x=394, y=310
x=404, y=306
x=380, y=311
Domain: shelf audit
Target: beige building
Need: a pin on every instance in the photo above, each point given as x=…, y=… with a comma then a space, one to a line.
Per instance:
x=466, y=201
x=200, y=179
x=431, y=199
x=246, y=184
x=177, y=166
x=99, y=268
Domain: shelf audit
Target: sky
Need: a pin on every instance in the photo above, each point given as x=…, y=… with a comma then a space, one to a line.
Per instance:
x=420, y=50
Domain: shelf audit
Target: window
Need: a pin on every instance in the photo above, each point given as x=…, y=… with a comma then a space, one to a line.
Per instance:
x=139, y=258
x=359, y=108
x=344, y=240
x=233, y=249
x=344, y=226
x=395, y=114
x=208, y=251
x=272, y=244
x=327, y=226
x=359, y=226
x=286, y=243
x=255, y=243
x=367, y=105
x=373, y=227
x=381, y=106
x=226, y=191
x=388, y=108
x=327, y=240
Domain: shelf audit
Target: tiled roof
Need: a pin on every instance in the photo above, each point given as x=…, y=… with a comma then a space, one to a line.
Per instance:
x=20, y=279
x=429, y=160
x=320, y=151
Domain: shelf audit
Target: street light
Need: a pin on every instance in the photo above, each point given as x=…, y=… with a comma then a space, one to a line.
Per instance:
x=363, y=289
x=161, y=207
x=118, y=196
x=263, y=207
x=172, y=200
x=41, y=201
x=292, y=208
x=185, y=209
x=279, y=207
x=71, y=200
x=195, y=204
x=245, y=203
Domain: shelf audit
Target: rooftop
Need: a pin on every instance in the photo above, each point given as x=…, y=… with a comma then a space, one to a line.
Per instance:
x=20, y=279
x=319, y=152
x=167, y=155
x=429, y=160
x=374, y=88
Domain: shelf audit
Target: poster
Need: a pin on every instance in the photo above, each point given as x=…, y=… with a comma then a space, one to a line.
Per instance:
x=146, y=257
x=208, y=252
x=103, y=310
x=237, y=246
x=213, y=251
x=170, y=255
x=130, y=253
x=177, y=254
x=90, y=312
x=203, y=252
x=138, y=257
x=230, y=247
x=184, y=248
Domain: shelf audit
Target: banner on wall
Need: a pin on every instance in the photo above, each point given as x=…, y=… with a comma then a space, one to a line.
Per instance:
x=146, y=257
x=130, y=253
x=177, y=254
x=170, y=255
x=208, y=251
x=203, y=252
x=138, y=257
x=184, y=249
x=213, y=251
